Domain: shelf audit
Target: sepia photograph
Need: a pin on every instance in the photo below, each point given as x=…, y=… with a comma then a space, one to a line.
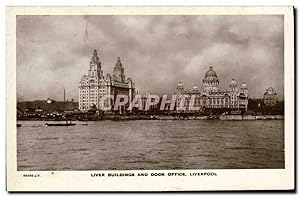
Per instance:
x=225, y=71
x=127, y=92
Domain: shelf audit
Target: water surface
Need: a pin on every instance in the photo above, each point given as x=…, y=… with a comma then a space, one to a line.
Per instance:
x=151, y=144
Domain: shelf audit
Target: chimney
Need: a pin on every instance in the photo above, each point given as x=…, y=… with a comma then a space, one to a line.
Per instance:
x=64, y=95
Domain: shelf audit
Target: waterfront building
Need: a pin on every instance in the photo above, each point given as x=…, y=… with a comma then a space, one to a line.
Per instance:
x=48, y=105
x=153, y=108
x=270, y=97
x=95, y=85
x=211, y=97
x=186, y=99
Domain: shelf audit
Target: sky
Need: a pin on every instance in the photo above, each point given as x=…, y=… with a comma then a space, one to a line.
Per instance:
x=53, y=52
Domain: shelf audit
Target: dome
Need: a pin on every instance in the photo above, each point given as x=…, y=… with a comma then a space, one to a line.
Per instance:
x=244, y=85
x=211, y=73
x=180, y=84
x=195, y=87
x=211, y=76
x=233, y=82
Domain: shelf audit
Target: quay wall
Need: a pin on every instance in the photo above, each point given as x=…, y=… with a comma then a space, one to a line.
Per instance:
x=250, y=117
x=270, y=117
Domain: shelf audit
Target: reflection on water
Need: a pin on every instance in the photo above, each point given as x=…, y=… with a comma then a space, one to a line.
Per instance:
x=151, y=144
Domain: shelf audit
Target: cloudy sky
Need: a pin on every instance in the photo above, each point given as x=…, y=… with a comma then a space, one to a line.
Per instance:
x=53, y=52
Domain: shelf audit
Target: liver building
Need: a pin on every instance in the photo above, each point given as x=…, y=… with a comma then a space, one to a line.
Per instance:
x=211, y=97
x=94, y=85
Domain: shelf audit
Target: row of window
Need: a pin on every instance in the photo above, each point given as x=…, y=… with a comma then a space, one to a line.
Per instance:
x=211, y=83
x=210, y=101
x=87, y=100
x=91, y=95
x=87, y=104
x=92, y=90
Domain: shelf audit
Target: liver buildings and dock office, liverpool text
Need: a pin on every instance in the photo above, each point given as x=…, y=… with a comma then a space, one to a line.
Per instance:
x=97, y=91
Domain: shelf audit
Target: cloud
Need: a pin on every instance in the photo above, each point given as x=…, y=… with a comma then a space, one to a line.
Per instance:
x=53, y=52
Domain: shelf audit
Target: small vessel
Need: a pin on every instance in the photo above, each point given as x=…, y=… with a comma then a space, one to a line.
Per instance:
x=61, y=124
x=19, y=125
x=212, y=117
x=153, y=117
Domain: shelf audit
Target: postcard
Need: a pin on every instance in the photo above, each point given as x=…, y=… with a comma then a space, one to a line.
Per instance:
x=150, y=98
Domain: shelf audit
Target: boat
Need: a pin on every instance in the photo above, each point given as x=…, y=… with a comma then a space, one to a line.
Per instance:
x=61, y=124
x=213, y=117
x=18, y=125
x=153, y=117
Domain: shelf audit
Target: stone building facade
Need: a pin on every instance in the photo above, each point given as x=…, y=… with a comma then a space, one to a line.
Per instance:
x=95, y=85
x=211, y=97
x=270, y=97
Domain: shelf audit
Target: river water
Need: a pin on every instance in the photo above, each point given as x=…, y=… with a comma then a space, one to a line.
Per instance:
x=151, y=145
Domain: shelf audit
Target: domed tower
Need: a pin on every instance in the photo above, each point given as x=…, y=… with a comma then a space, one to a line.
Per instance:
x=233, y=85
x=180, y=87
x=95, y=61
x=244, y=88
x=118, y=73
x=95, y=65
x=211, y=81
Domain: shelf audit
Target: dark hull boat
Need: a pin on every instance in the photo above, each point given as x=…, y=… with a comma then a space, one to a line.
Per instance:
x=68, y=123
x=60, y=124
x=18, y=125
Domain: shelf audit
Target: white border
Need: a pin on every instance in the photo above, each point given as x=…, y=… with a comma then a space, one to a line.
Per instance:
x=279, y=179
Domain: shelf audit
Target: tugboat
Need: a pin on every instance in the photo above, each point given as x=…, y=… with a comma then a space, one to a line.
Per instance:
x=61, y=124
